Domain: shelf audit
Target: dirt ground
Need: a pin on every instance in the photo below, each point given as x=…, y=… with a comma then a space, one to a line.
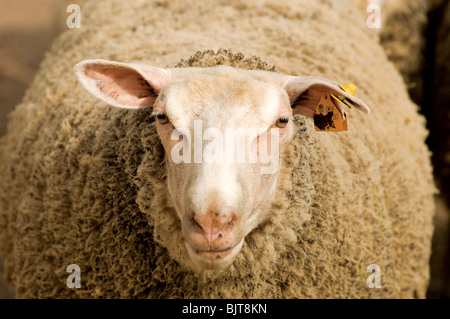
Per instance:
x=27, y=28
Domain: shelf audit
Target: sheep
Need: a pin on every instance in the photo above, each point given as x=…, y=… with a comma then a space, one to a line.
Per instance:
x=438, y=103
x=402, y=36
x=91, y=184
x=413, y=35
x=405, y=35
x=438, y=111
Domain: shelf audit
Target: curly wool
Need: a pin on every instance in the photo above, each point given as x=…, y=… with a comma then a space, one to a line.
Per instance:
x=210, y=58
x=84, y=183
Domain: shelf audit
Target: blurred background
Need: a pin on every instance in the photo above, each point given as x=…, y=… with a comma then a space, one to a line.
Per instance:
x=416, y=38
x=27, y=29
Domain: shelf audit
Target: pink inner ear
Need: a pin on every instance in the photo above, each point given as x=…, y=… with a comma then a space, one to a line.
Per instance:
x=124, y=85
x=307, y=102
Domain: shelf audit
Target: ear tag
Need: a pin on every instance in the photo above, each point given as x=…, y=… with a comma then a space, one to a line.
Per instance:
x=350, y=89
x=328, y=118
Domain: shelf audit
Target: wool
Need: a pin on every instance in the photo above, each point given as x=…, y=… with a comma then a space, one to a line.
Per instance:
x=414, y=35
x=402, y=34
x=404, y=38
x=85, y=183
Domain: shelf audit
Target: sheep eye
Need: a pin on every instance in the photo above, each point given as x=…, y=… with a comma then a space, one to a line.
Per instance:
x=282, y=122
x=162, y=118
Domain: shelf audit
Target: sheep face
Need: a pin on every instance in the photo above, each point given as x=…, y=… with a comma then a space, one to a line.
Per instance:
x=223, y=130
x=222, y=134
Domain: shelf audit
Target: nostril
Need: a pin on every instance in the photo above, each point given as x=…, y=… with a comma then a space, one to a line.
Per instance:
x=213, y=225
x=231, y=220
x=196, y=225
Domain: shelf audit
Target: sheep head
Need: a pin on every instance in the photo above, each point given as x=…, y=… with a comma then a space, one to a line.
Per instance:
x=223, y=130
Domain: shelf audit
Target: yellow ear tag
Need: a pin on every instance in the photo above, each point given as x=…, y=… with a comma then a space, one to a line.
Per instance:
x=350, y=89
x=327, y=117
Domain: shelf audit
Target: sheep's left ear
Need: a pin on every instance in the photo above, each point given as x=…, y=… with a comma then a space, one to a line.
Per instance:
x=305, y=92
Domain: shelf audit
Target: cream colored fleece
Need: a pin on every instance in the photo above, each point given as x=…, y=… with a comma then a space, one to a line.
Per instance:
x=82, y=182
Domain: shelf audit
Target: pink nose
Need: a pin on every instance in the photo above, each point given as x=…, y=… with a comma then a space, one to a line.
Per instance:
x=213, y=226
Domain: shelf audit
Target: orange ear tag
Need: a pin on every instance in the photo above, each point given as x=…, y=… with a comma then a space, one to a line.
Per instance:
x=327, y=117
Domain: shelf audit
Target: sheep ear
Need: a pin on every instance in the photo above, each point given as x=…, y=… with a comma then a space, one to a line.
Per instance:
x=123, y=85
x=305, y=92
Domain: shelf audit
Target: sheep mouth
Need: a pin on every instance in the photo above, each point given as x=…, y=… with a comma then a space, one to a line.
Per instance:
x=214, y=252
x=213, y=257
x=211, y=252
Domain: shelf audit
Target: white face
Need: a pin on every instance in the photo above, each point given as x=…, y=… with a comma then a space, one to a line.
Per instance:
x=222, y=134
x=223, y=130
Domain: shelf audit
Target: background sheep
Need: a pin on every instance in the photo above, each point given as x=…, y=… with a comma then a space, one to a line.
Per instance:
x=50, y=169
x=402, y=37
x=415, y=37
x=437, y=107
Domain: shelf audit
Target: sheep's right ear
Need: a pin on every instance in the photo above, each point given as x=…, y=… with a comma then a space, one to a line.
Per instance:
x=124, y=85
x=305, y=93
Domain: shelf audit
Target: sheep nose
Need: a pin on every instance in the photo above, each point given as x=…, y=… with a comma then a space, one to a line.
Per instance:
x=213, y=225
